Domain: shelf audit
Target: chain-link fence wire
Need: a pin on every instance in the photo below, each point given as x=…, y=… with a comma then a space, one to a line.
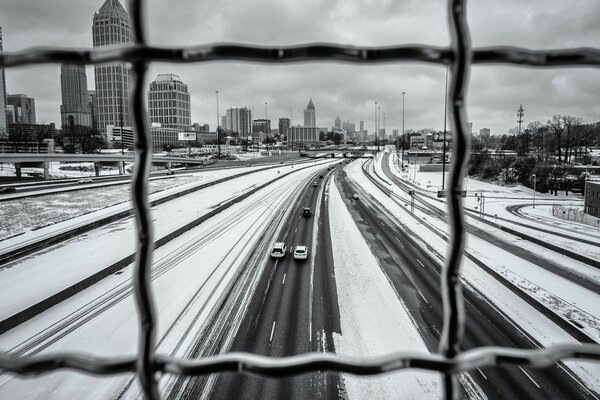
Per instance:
x=449, y=360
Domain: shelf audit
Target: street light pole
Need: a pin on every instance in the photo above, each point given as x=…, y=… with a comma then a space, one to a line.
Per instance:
x=444, y=142
x=378, y=129
x=376, y=141
x=218, y=137
x=534, y=181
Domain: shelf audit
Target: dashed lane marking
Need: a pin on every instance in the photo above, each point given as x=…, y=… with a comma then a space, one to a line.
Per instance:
x=420, y=263
x=283, y=281
x=272, y=331
x=530, y=378
x=482, y=374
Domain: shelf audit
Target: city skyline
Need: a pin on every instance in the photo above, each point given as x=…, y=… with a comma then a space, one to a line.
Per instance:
x=342, y=89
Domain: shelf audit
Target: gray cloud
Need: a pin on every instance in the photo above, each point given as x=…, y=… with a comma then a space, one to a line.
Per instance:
x=337, y=89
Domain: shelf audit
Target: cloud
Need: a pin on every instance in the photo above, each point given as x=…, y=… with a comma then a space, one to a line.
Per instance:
x=337, y=89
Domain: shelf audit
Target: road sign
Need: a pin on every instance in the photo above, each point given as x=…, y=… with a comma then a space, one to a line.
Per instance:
x=442, y=193
x=191, y=136
x=411, y=192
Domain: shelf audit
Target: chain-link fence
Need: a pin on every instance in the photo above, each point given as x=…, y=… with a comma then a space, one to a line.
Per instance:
x=459, y=57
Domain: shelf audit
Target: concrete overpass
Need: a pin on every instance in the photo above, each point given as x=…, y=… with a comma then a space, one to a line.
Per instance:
x=36, y=160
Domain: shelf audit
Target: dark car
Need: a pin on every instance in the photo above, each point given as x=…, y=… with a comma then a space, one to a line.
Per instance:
x=315, y=184
x=306, y=212
x=7, y=189
x=320, y=176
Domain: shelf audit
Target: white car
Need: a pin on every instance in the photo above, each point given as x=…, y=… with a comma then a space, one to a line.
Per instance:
x=278, y=250
x=301, y=253
x=85, y=180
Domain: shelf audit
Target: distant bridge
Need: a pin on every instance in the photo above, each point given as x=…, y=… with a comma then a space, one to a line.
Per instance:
x=35, y=160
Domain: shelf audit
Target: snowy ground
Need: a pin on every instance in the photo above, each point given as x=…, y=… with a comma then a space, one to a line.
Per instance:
x=374, y=321
x=32, y=213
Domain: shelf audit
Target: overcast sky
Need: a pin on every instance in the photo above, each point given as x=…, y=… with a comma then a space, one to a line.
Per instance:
x=347, y=90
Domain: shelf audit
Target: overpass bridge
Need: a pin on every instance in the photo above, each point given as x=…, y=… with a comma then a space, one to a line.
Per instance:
x=36, y=160
x=345, y=151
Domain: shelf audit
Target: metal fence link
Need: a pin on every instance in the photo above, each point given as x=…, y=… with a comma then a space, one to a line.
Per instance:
x=450, y=361
x=451, y=286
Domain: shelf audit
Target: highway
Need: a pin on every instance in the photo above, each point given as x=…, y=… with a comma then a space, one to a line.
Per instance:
x=293, y=310
x=415, y=275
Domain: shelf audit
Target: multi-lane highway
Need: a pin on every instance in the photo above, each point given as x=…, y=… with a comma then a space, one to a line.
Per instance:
x=218, y=290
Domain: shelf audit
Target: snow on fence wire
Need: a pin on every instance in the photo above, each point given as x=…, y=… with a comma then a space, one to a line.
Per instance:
x=458, y=57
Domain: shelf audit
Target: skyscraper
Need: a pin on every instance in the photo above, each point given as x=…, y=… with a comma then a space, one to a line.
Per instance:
x=111, y=28
x=24, y=108
x=362, y=127
x=169, y=102
x=309, y=115
x=3, y=130
x=338, y=122
x=75, y=108
x=284, y=126
x=239, y=119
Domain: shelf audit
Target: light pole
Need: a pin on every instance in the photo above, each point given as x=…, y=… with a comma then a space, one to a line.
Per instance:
x=403, y=93
x=376, y=142
x=378, y=114
x=534, y=181
x=218, y=136
x=444, y=142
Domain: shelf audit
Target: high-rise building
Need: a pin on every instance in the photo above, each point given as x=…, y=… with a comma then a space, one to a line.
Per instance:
x=239, y=119
x=310, y=119
x=261, y=125
x=169, y=102
x=75, y=108
x=304, y=134
x=223, y=121
x=24, y=108
x=3, y=127
x=362, y=127
x=338, y=123
x=284, y=126
x=91, y=98
x=111, y=28
x=484, y=132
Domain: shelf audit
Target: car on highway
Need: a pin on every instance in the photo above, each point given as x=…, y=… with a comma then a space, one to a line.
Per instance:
x=85, y=180
x=315, y=184
x=320, y=176
x=355, y=196
x=301, y=253
x=7, y=189
x=171, y=172
x=306, y=212
x=278, y=250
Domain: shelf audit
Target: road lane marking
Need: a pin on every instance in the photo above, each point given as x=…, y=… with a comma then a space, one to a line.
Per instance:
x=530, y=378
x=296, y=230
x=272, y=331
x=482, y=374
x=283, y=281
x=422, y=296
x=421, y=263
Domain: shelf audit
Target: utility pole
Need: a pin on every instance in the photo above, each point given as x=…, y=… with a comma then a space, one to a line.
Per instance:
x=403, y=94
x=218, y=136
x=376, y=142
x=444, y=143
x=378, y=114
x=520, y=113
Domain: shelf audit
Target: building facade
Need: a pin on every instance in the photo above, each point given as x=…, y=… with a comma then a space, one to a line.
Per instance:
x=338, y=123
x=3, y=125
x=24, y=108
x=75, y=108
x=111, y=28
x=310, y=119
x=362, y=127
x=303, y=134
x=592, y=198
x=239, y=119
x=284, y=126
x=169, y=102
x=162, y=138
x=261, y=126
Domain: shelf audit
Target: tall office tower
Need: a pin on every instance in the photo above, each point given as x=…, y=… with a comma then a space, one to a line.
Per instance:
x=309, y=115
x=75, y=108
x=239, y=119
x=3, y=128
x=111, y=28
x=338, y=122
x=169, y=102
x=362, y=127
x=261, y=126
x=284, y=126
x=24, y=108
